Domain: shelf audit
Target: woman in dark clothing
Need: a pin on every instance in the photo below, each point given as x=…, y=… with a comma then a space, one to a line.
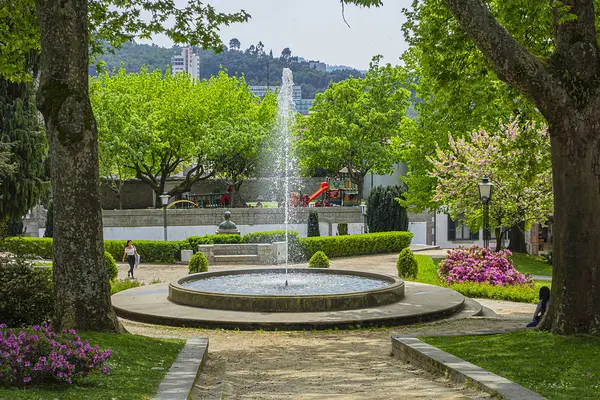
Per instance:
x=542, y=306
x=131, y=254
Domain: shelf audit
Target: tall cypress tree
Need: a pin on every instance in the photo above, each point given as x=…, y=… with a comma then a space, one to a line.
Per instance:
x=21, y=127
x=384, y=213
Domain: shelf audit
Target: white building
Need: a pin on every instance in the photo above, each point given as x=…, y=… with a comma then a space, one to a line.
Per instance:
x=187, y=61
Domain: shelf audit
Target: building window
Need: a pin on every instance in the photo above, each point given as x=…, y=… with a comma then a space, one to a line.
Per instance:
x=460, y=231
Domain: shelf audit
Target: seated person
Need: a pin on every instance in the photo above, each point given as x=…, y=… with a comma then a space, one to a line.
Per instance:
x=542, y=306
x=258, y=204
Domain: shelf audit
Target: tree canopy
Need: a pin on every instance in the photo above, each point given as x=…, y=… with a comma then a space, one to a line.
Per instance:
x=352, y=123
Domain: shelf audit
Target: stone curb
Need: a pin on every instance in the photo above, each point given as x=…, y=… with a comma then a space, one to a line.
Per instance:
x=180, y=379
x=426, y=356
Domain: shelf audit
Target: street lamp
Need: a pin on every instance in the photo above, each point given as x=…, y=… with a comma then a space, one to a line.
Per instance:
x=485, y=193
x=164, y=198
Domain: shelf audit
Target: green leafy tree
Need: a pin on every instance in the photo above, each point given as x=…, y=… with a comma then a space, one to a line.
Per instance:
x=516, y=159
x=286, y=54
x=352, y=123
x=384, y=212
x=65, y=35
x=240, y=130
x=234, y=44
x=549, y=52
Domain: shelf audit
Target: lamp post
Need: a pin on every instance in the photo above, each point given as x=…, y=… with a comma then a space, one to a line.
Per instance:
x=485, y=193
x=164, y=198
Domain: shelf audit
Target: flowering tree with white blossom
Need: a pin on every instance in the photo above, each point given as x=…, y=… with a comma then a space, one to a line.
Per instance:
x=516, y=159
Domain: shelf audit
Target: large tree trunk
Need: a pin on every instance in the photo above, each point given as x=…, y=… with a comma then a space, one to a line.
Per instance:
x=517, y=239
x=81, y=286
x=575, y=298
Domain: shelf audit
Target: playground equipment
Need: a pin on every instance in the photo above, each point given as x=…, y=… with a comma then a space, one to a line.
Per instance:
x=336, y=192
x=187, y=203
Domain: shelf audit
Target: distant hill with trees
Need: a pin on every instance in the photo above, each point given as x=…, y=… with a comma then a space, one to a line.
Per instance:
x=258, y=66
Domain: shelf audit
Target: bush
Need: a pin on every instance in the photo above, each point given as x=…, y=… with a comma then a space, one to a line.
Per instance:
x=313, y=224
x=111, y=266
x=479, y=265
x=29, y=246
x=342, y=228
x=353, y=245
x=150, y=250
x=15, y=227
x=26, y=293
x=38, y=355
x=318, y=260
x=123, y=284
x=384, y=213
x=198, y=263
x=407, y=264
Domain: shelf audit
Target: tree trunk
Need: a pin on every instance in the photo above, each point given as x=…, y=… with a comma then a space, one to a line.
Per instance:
x=517, y=238
x=575, y=298
x=498, y=235
x=81, y=286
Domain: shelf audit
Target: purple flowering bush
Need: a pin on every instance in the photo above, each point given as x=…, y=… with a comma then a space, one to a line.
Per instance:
x=37, y=354
x=481, y=265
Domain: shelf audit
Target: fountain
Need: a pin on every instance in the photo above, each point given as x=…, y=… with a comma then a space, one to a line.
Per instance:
x=294, y=298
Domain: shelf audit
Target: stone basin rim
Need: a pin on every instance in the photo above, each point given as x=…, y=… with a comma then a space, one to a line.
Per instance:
x=332, y=271
x=391, y=293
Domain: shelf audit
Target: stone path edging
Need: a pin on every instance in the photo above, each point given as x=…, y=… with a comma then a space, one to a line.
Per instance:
x=426, y=356
x=181, y=377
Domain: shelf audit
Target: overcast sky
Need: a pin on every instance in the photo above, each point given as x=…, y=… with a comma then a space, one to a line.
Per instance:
x=314, y=29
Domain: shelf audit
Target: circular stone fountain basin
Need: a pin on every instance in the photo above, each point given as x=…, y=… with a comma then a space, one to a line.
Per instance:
x=308, y=290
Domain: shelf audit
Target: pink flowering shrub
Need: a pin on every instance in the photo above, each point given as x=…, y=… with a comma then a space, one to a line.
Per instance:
x=481, y=265
x=36, y=355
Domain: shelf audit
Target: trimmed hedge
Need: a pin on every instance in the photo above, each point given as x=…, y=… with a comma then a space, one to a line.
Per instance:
x=194, y=241
x=111, y=266
x=149, y=250
x=354, y=245
x=29, y=246
x=268, y=236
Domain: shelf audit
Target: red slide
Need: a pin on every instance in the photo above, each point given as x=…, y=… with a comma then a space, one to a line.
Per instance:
x=324, y=187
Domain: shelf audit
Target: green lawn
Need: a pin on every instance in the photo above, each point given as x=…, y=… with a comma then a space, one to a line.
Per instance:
x=556, y=367
x=138, y=363
x=534, y=265
x=428, y=274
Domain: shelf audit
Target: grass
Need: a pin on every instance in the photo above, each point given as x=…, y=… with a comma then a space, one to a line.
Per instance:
x=556, y=367
x=534, y=265
x=523, y=294
x=123, y=284
x=138, y=363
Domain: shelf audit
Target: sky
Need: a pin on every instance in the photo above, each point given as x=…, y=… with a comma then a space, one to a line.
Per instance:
x=314, y=29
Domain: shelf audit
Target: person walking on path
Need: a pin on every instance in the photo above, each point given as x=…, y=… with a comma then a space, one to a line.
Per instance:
x=131, y=254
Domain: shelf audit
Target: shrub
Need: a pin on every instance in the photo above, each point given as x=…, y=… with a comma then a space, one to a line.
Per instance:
x=26, y=293
x=384, y=213
x=342, y=228
x=313, y=224
x=479, y=265
x=111, y=266
x=149, y=250
x=29, y=246
x=198, y=263
x=353, y=245
x=37, y=355
x=123, y=284
x=15, y=227
x=318, y=260
x=407, y=264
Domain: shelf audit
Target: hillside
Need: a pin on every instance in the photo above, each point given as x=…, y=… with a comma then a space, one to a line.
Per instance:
x=258, y=67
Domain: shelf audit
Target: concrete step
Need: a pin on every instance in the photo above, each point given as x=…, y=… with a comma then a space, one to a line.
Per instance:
x=237, y=259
